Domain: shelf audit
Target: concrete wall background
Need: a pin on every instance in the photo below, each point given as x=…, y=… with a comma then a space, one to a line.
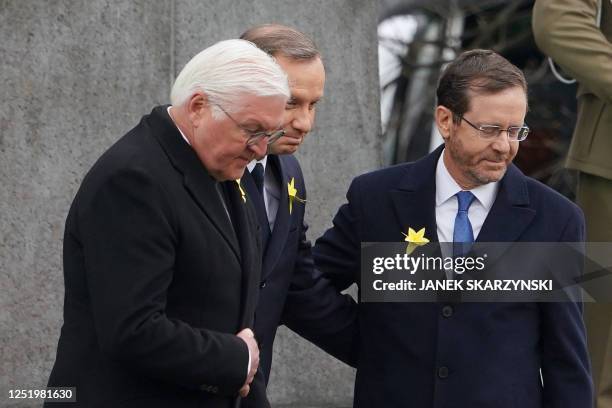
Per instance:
x=76, y=75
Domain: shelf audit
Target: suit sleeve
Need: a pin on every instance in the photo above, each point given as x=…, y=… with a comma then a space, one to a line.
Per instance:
x=565, y=361
x=337, y=253
x=128, y=233
x=314, y=309
x=567, y=31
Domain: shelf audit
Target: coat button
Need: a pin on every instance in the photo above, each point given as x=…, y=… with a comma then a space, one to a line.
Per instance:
x=443, y=372
x=262, y=285
x=447, y=311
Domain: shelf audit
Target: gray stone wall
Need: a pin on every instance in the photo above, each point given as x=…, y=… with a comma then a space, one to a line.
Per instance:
x=76, y=75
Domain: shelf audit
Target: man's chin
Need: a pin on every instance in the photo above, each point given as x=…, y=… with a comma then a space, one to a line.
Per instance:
x=285, y=149
x=229, y=174
x=491, y=176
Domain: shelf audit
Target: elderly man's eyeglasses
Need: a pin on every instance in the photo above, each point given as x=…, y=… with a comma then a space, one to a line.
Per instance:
x=253, y=137
x=490, y=132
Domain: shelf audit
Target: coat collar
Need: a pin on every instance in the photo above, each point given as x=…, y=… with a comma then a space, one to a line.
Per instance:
x=414, y=202
x=245, y=226
x=196, y=179
x=511, y=213
x=414, y=199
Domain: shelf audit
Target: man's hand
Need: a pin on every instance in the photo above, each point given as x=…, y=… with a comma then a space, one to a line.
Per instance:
x=249, y=338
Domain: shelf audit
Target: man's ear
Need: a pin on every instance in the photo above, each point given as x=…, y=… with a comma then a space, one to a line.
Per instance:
x=444, y=121
x=197, y=108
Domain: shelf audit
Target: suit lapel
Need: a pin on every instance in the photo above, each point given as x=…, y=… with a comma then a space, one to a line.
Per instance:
x=507, y=219
x=414, y=200
x=244, y=219
x=197, y=181
x=510, y=214
x=248, y=183
x=283, y=219
x=414, y=205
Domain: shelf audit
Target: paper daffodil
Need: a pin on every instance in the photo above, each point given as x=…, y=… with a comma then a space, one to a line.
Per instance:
x=414, y=239
x=242, y=192
x=292, y=191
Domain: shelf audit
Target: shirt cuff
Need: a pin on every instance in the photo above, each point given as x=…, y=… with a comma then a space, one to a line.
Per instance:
x=249, y=366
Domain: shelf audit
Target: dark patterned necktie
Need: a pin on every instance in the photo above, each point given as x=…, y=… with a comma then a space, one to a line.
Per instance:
x=258, y=177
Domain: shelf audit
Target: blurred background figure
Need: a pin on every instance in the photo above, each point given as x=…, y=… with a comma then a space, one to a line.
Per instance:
x=417, y=38
x=577, y=35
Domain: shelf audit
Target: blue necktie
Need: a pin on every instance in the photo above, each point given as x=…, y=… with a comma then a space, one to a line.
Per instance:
x=463, y=235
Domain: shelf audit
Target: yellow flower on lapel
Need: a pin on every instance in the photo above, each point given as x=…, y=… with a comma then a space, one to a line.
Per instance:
x=242, y=192
x=292, y=191
x=415, y=239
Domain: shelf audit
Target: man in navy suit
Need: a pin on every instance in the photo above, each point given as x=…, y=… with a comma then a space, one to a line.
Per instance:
x=290, y=290
x=424, y=355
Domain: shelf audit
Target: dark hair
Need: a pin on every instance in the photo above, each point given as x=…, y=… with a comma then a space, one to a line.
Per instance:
x=479, y=71
x=279, y=39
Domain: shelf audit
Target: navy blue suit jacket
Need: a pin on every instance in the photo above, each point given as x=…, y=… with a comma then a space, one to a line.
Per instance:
x=473, y=355
x=291, y=291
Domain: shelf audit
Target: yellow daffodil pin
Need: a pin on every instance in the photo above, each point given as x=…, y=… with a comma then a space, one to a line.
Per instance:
x=242, y=192
x=292, y=191
x=414, y=239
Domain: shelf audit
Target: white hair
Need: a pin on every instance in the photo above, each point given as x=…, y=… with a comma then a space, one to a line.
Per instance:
x=226, y=71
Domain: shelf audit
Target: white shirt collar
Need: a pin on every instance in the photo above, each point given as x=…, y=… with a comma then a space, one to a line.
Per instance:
x=179, y=129
x=252, y=163
x=447, y=187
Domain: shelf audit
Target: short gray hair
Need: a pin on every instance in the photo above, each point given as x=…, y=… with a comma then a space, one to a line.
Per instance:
x=276, y=39
x=228, y=70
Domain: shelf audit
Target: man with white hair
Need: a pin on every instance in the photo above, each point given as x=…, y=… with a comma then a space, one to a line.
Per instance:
x=162, y=247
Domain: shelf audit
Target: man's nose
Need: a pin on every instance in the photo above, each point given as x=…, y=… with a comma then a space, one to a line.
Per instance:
x=303, y=121
x=259, y=148
x=502, y=142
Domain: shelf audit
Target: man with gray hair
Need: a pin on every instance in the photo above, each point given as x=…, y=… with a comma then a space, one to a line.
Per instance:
x=161, y=246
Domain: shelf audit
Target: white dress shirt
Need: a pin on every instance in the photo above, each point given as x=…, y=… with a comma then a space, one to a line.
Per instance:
x=272, y=191
x=447, y=205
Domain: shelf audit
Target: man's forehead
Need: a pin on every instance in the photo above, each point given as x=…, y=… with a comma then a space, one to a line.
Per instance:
x=510, y=97
x=301, y=69
x=304, y=93
x=306, y=87
x=260, y=110
x=475, y=92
